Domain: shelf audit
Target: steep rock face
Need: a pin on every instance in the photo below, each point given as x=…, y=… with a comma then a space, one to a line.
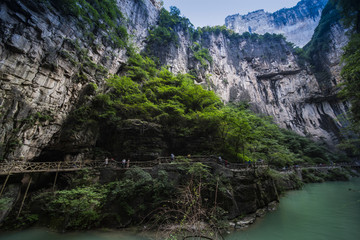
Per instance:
x=297, y=24
x=141, y=15
x=267, y=74
x=46, y=60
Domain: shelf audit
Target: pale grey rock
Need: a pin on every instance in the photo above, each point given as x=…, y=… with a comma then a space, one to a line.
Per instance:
x=246, y=221
x=141, y=16
x=261, y=212
x=39, y=62
x=19, y=43
x=272, y=206
x=297, y=24
x=268, y=76
x=10, y=197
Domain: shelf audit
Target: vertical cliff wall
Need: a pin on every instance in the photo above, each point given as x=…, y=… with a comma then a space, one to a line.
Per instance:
x=297, y=24
x=266, y=72
x=47, y=60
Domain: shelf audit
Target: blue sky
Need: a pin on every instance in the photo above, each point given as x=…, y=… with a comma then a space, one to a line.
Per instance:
x=213, y=12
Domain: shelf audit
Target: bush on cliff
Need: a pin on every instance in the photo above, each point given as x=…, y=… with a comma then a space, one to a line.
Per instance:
x=118, y=203
x=137, y=197
x=77, y=208
x=165, y=33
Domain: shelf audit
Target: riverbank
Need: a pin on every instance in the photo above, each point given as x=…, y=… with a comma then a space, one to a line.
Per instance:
x=318, y=211
x=176, y=197
x=295, y=179
x=300, y=212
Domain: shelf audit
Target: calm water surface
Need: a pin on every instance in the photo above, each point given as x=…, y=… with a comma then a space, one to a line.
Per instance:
x=326, y=211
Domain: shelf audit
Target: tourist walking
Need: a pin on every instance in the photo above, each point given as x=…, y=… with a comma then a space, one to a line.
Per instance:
x=220, y=160
x=123, y=163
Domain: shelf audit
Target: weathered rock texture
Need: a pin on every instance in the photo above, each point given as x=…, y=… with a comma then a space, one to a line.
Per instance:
x=267, y=73
x=46, y=61
x=297, y=24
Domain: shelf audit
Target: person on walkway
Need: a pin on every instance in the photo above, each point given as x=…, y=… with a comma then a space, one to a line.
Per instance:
x=106, y=161
x=128, y=163
x=172, y=156
x=248, y=164
x=123, y=163
x=220, y=160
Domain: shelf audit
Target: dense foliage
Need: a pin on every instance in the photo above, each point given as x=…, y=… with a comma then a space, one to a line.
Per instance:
x=88, y=205
x=235, y=36
x=186, y=111
x=166, y=30
x=201, y=54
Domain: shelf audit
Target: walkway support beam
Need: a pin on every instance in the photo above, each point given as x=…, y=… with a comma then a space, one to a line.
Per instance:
x=22, y=203
x=56, y=176
x=4, y=185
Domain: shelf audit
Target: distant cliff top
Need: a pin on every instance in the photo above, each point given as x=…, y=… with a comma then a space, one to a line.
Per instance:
x=297, y=24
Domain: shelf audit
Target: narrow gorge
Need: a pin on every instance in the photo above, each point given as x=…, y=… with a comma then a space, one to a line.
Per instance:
x=240, y=105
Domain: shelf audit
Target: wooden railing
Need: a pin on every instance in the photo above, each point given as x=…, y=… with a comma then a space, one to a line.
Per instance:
x=26, y=167
x=32, y=167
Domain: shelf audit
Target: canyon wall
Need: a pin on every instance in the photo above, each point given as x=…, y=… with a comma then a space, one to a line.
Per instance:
x=49, y=61
x=297, y=24
x=266, y=72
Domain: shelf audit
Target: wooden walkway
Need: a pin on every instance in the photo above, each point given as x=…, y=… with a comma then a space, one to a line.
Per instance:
x=37, y=167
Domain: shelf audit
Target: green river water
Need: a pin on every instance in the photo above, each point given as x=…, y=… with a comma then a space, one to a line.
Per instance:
x=321, y=211
x=326, y=211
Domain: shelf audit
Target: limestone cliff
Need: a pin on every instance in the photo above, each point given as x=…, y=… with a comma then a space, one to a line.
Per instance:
x=49, y=61
x=267, y=73
x=297, y=24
